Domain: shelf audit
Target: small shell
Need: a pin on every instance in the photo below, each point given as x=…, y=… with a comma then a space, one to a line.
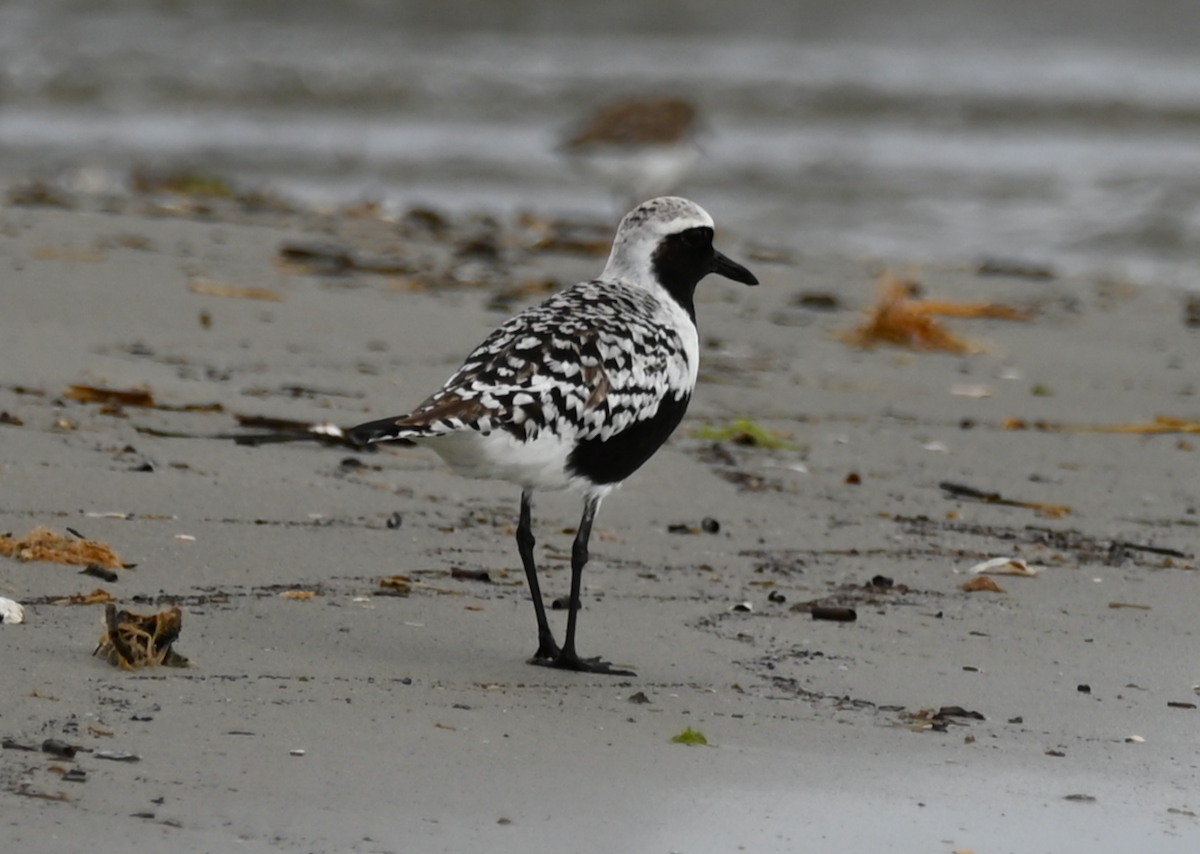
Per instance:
x=1005, y=566
x=11, y=612
x=976, y=390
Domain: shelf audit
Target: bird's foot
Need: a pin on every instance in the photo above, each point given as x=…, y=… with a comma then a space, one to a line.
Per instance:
x=565, y=661
x=544, y=657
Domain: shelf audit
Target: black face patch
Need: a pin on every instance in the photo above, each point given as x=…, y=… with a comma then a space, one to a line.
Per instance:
x=681, y=260
x=614, y=459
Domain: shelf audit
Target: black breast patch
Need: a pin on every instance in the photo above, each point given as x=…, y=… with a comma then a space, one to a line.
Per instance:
x=616, y=458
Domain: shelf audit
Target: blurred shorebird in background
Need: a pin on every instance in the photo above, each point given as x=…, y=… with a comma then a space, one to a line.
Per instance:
x=642, y=147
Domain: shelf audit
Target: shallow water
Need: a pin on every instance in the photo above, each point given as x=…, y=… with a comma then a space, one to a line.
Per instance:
x=1065, y=131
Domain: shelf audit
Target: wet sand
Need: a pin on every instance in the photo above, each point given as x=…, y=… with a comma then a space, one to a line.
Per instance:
x=423, y=730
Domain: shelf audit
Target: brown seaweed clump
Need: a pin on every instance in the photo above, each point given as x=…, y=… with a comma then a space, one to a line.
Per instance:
x=131, y=641
x=43, y=544
x=900, y=317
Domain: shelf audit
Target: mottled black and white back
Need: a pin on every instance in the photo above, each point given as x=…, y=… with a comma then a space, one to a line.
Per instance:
x=582, y=389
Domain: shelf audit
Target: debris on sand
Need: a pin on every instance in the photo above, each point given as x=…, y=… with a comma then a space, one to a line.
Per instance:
x=960, y=490
x=939, y=720
x=1015, y=268
x=43, y=544
x=204, y=287
x=744, y=431
x=101, y=573
x=395, y=585
x=335, y=259
x=58, y=747
x=1005, y=566
x=836, y=615
x=981, y=584
x=131, y=641
x=27, y=791
x=96, y=597
x=902, y=318
x=181, y=182
x=140, y=396
x=689, y=737
x=11, y=612
x=113, y=400
x=1159, y=425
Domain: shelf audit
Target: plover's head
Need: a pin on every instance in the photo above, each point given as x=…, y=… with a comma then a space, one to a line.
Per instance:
x=669, y=242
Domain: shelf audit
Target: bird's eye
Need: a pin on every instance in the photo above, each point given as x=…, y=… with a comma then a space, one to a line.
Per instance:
x=696, y=238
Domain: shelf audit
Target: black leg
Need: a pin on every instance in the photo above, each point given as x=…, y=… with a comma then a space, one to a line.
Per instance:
x=547, y=650
x=568, y=658
x=579, y=559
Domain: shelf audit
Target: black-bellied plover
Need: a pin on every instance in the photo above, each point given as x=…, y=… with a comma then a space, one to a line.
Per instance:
x=640, y=146
x=580, y=390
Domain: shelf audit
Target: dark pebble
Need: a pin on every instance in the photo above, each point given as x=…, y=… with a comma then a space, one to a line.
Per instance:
x=58, y=747
x=470, y=574
x=709, y=525
x=837, y=615
x=394, y=521
x=100, y=572
x=817, y=301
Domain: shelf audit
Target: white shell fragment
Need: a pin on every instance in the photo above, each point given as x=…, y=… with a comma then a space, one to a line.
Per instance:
x=117, y=755
x=11, y=612
x=971, y=390
x=1005, y=566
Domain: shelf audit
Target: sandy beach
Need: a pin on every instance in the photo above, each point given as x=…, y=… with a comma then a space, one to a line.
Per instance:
x=355, y=721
